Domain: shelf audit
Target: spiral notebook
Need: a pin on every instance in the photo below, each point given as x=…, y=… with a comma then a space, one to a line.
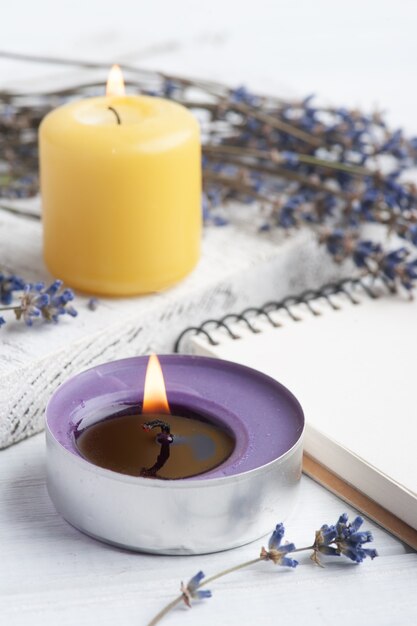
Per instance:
x=348, y=352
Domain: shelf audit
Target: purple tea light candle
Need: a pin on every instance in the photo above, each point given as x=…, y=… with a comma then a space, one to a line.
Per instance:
x=235, y=502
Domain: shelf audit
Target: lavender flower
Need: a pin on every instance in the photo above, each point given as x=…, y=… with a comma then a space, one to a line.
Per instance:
x=339, y=242
x=364, y=251
x=35, y=300
x=287, y=217
x=93, y=304
x=409, y=275
x=191, y=590
x=276, y=552
x=31, y=303
x=242, y=95
x=169, y=88
x=9, y=283
x=59, y=299
x=395, y=267
x=49, y=303
x=393, y=261
x=2, y=321
x=349, y=539
x=346, y=539
x=289, y=158
x=412, y=234
x=322, y=543
x=219, y=220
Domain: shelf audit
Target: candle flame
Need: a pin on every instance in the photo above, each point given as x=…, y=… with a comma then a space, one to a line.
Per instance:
x=155, y=396
x=115, y=83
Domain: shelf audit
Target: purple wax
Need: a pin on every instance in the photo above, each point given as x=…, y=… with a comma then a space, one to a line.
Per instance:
x=265, y=418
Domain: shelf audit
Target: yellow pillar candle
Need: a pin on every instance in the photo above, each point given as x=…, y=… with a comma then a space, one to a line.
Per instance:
x=121, y=193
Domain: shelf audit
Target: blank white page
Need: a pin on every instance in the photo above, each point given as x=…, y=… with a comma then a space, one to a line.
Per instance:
x=354, y=372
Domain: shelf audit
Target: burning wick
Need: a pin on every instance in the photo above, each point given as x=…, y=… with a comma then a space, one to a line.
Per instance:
x=164, y=438
x=155, y=401
x=115, y=87
x=165, y=428
x=119, y=121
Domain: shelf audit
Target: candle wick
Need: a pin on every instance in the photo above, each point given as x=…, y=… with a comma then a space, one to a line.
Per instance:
x=119, y=121
x=164, y=438
x=164, y=426
x=164, y=441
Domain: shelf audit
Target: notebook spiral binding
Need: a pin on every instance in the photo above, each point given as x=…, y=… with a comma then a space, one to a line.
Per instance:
x=345, y=286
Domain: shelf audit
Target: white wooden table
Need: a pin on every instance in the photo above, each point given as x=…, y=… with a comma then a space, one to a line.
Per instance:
x=52, y=574
x=359, y=54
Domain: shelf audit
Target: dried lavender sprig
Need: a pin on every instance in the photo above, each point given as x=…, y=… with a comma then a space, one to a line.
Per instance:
x=279, y=172
x=394, y=266
x=284, y=158
x=9, y=285
x=356, y=209
x=36, y=301
x=341, y=539
x=240, y=119
x=276, y=123
x=341, y=244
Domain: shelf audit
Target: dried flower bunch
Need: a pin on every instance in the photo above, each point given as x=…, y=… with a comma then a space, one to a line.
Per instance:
x=340, y=539
x=31, y=301
x=330, y=168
